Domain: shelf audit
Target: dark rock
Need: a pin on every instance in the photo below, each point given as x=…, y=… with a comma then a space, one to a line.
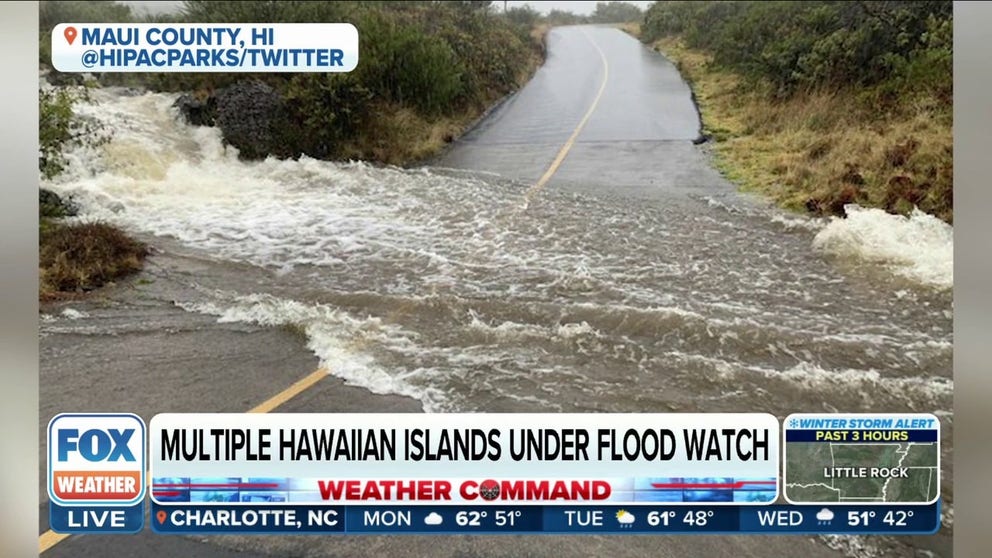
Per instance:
x=195, y=111
x=847, y=194
x=130, y=91
x=62, y=79
x=899, y=154
x=901, y=187
x=248, y=113
x=52, y=205
x=852, y=175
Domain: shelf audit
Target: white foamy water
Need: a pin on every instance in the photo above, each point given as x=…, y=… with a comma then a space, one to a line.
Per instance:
x=866, y=383
x=74, y=314
x=918, y=247
x=338, y=339
x=436, y=285
x=791, y=222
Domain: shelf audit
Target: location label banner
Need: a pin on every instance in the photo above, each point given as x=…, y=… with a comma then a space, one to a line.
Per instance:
x=464, y=459
x=195, y=47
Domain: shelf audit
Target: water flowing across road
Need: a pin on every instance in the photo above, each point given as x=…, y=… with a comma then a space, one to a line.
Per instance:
x=635, y=280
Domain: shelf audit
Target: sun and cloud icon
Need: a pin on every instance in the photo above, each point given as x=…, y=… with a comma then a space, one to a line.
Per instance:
x=824, y=516
x=433, y=518
x=625, y=518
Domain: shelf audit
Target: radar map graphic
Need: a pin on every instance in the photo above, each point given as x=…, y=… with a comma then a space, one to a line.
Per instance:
x=890, y=460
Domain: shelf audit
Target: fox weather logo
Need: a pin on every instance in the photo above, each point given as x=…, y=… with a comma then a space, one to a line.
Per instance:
x=96, y=458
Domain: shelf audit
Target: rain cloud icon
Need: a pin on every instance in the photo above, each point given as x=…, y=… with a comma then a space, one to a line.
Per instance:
x=433, y=518
x=825, y=515
x=624, y=517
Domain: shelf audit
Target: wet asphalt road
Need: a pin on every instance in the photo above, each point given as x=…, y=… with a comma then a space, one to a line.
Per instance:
x=146, y=356
x=638, y=137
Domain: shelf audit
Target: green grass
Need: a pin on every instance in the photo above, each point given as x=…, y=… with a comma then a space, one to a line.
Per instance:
x=816, y=151
x=80, y=257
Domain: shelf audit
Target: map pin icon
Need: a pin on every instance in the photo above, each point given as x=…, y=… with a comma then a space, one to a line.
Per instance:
x=160, y=516
x=70, y=34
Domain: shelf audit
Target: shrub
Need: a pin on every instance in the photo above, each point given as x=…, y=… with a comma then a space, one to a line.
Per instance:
x=52, y=13
x=321, y=112
x=616, y=12
x=266, y=11
x=810, y=45
x=564, y=17
x=59, y=128
x=84, y=256
x=406, y=65
x=523, y=15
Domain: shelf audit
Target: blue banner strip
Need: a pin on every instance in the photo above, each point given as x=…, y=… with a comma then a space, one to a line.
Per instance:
x=187, y=519
x=105, y=520
x=858, y=435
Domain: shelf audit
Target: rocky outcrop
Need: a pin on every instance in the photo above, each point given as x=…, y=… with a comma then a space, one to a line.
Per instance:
x=197, y=111
x=51, y=205
x=248, y=115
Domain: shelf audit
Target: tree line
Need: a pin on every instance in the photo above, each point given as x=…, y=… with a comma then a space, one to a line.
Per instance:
x=896, y=48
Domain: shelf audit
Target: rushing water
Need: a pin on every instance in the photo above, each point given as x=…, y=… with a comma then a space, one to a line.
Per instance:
x=443, y=286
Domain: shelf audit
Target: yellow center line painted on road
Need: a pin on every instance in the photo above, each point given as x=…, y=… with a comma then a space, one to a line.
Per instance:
x=563, y=152
x=50, y=538
x=290, y=392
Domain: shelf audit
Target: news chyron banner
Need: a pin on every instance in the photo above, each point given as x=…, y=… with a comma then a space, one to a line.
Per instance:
x=493, y=473
x=463, y=459
x=366, y=473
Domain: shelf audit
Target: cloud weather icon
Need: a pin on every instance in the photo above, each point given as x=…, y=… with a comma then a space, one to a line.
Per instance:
x=433, y=518
x=624, y=517
x=825, y=515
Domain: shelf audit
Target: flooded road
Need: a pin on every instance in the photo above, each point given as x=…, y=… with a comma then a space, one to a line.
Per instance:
x=635, y=280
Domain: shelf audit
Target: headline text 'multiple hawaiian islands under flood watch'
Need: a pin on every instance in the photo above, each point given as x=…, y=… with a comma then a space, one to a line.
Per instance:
x=570, y=444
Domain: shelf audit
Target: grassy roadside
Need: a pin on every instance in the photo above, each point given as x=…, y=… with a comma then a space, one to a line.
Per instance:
x=395, y=134
x=75, y=257
x=817, y=149
x=79, y=257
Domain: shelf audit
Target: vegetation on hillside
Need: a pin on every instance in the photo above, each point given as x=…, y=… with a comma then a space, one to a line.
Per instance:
x=605, y=12
x=58, y=128
x=427, y=70
x=615, y=12
x=74, y=256
x=821, y=104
